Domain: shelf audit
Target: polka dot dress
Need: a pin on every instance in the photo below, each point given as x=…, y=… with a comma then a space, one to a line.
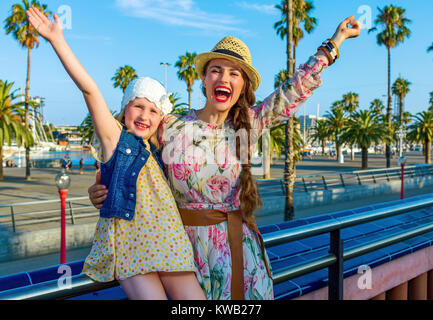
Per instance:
x=155, y=240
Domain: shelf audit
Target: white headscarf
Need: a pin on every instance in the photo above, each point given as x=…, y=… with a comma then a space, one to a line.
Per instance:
x=150, y=89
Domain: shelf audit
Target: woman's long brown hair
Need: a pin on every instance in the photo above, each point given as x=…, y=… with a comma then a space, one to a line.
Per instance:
x=249, y=197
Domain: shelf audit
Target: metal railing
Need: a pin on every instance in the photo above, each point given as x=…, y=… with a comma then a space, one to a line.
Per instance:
x=80, y=207
x=76, y=208
x=81, y=284
x=344, y=179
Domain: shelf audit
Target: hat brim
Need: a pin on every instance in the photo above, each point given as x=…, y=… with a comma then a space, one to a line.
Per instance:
x=203, y=58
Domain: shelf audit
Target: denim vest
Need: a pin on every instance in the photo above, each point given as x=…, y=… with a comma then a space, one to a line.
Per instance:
x=120, y=174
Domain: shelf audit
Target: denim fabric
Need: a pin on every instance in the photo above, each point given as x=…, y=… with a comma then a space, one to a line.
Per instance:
x=120, y=173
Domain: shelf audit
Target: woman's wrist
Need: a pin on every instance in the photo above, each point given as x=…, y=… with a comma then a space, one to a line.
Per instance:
x=338, y=39
x=57, y=41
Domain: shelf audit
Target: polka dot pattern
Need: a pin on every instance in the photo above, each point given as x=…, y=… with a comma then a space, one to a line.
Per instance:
x=155, y=240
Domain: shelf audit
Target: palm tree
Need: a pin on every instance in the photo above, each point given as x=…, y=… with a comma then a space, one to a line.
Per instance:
x=276, y=142
x=187, y=72
x=393, y=22
x=87, y=130
x=336, y=124
x=376, y=106
x=280, y=78
x=177, y=107
x=364, y=129
x=11, y=124
x=18, y=25
x=123, y=76
x=350, y=102
x=400, y=88
x=422, y=132
x=301, y=14
x=321, y=134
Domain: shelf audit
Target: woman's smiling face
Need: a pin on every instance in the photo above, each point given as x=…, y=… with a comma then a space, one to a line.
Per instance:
x=224, y=84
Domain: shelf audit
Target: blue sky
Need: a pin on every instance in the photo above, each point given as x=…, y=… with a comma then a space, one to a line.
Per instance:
x=107, y=34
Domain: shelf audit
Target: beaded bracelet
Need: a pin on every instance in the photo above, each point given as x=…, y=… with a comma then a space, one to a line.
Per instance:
x=328, y=55
x=331, y=49
x=335, y=46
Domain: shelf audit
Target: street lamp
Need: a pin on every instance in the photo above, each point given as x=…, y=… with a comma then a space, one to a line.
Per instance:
x=401, y=134
x=165, y=64
x=63, y=181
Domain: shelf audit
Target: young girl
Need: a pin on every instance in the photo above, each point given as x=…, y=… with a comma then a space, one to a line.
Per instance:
x=139, y=238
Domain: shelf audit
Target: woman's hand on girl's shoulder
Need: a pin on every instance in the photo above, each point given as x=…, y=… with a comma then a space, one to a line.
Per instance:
x=344, y=32
x=50, y=31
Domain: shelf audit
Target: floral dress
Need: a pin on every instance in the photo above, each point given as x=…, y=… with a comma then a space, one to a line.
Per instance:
x=155, y=239
x=203, y=172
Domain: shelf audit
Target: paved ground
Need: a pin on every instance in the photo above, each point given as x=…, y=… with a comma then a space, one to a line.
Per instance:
x=16, y=189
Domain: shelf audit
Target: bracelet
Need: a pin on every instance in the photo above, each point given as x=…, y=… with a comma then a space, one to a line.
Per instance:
x=331, y=50
x=335, y=46
x=328, y=55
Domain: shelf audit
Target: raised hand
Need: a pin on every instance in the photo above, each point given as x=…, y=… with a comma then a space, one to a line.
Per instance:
x=51, y=31
x=343, y=31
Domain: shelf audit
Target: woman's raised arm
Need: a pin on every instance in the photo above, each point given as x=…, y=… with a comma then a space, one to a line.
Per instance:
x=289, y=97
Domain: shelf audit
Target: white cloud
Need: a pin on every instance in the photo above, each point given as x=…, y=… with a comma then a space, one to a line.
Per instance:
x=263, y=8
x=179, y=13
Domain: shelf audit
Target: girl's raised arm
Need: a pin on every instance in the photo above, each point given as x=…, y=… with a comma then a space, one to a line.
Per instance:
x=105, y=125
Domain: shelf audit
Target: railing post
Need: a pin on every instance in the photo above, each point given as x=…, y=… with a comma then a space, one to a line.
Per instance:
x=305, y=186
x=13, y=218
x=71, y=213
x=387, y=176
x=324, y=183
x=335, y=271
x=342, y=180
x=359, y=179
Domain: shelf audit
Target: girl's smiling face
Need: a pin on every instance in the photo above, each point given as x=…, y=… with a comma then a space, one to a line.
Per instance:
x=142, y=117
x=224, y=84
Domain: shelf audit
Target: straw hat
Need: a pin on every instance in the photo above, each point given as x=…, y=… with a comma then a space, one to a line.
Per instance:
x=232, y=49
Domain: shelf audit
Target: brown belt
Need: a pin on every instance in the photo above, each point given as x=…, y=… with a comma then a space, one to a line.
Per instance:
x=234, y=229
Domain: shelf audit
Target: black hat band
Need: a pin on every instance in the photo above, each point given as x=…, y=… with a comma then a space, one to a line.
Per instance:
x=230, y=53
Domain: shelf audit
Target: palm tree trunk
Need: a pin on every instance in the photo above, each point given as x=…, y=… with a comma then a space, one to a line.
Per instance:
x=389, y=110
x=364, y=158
x=323, y=147
x=427, y=151
x=294, y=58
x=271, y=155
x=29, y=55
x=337, y=149
x=189, y=97
x=289, y=174
x=1, y=163
x=400, y=110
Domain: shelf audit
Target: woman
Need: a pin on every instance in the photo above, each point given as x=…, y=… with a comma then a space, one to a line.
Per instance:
x=207, y=158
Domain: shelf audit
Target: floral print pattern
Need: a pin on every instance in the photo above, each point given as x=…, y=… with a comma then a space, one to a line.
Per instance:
x=203, y=172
